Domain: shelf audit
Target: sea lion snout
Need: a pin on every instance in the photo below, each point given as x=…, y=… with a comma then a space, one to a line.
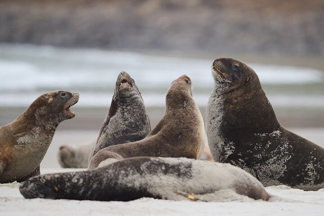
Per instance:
x=227, y=69
x=124, y=81
x=219, y=69
x=72, y=101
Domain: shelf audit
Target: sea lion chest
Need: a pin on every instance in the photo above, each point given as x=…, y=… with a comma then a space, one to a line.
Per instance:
x=129, y=123
x=24, y=152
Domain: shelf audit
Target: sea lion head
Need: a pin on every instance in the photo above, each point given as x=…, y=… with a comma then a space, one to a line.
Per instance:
x=54, y=107
x=179, y=93
x=125, y=86
x=230, y=74
x=66, y=156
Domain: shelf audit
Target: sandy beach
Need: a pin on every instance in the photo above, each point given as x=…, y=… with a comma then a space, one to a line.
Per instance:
x=285, y=200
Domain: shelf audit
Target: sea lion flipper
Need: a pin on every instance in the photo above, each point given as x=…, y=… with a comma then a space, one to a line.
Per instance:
x=3, y=165
x=189, y=196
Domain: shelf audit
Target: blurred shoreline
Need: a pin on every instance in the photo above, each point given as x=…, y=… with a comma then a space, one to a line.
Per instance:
x=92, y=118
x=298, y=112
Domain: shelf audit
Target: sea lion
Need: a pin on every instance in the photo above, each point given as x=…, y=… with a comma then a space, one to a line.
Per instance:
x=24, y=142
x=126, y=121
x=134, y=178
x=75, y=156
x=243, y=130
x=180, y=132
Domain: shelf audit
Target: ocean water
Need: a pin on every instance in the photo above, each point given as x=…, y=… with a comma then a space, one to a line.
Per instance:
x=27, y=71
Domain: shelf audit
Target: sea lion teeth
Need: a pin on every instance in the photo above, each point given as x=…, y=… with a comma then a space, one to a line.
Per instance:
x=70, y=103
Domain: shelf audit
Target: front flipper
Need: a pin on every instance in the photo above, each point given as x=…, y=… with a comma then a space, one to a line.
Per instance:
x=189, y=196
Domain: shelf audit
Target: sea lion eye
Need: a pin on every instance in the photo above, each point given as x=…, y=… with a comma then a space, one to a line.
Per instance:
x=236, y=67
x=188, y=81
x=63, y=94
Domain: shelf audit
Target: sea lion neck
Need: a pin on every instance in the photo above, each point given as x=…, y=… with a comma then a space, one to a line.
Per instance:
x=176, y=101
x=179, y=95
x=248, y=108
x=37, y=118
x=37, y=115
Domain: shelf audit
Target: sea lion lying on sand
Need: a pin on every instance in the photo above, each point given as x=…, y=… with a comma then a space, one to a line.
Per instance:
x=160, y=178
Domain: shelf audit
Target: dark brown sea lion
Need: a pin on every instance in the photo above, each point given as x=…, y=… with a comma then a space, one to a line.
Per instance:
x=160, y=178
x=126, y=121
x=24, y=142
x=180, y=132
x=243, y=130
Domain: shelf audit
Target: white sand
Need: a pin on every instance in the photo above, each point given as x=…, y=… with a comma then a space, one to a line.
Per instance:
x=286, y=201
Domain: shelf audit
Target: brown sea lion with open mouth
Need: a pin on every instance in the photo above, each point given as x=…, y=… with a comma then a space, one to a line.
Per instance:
x=24, y=142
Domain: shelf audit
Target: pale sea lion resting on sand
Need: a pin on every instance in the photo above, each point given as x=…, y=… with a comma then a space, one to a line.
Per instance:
x=160, y=178
x=243, y=130
x=180, y=132
x=24, y=142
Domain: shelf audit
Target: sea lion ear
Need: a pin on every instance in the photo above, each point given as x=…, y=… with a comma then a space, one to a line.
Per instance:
x=50, y=100
x=247, y=79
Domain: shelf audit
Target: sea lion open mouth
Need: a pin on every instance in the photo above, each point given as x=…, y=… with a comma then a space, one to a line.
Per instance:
x=124, y=81
x=70, y=103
